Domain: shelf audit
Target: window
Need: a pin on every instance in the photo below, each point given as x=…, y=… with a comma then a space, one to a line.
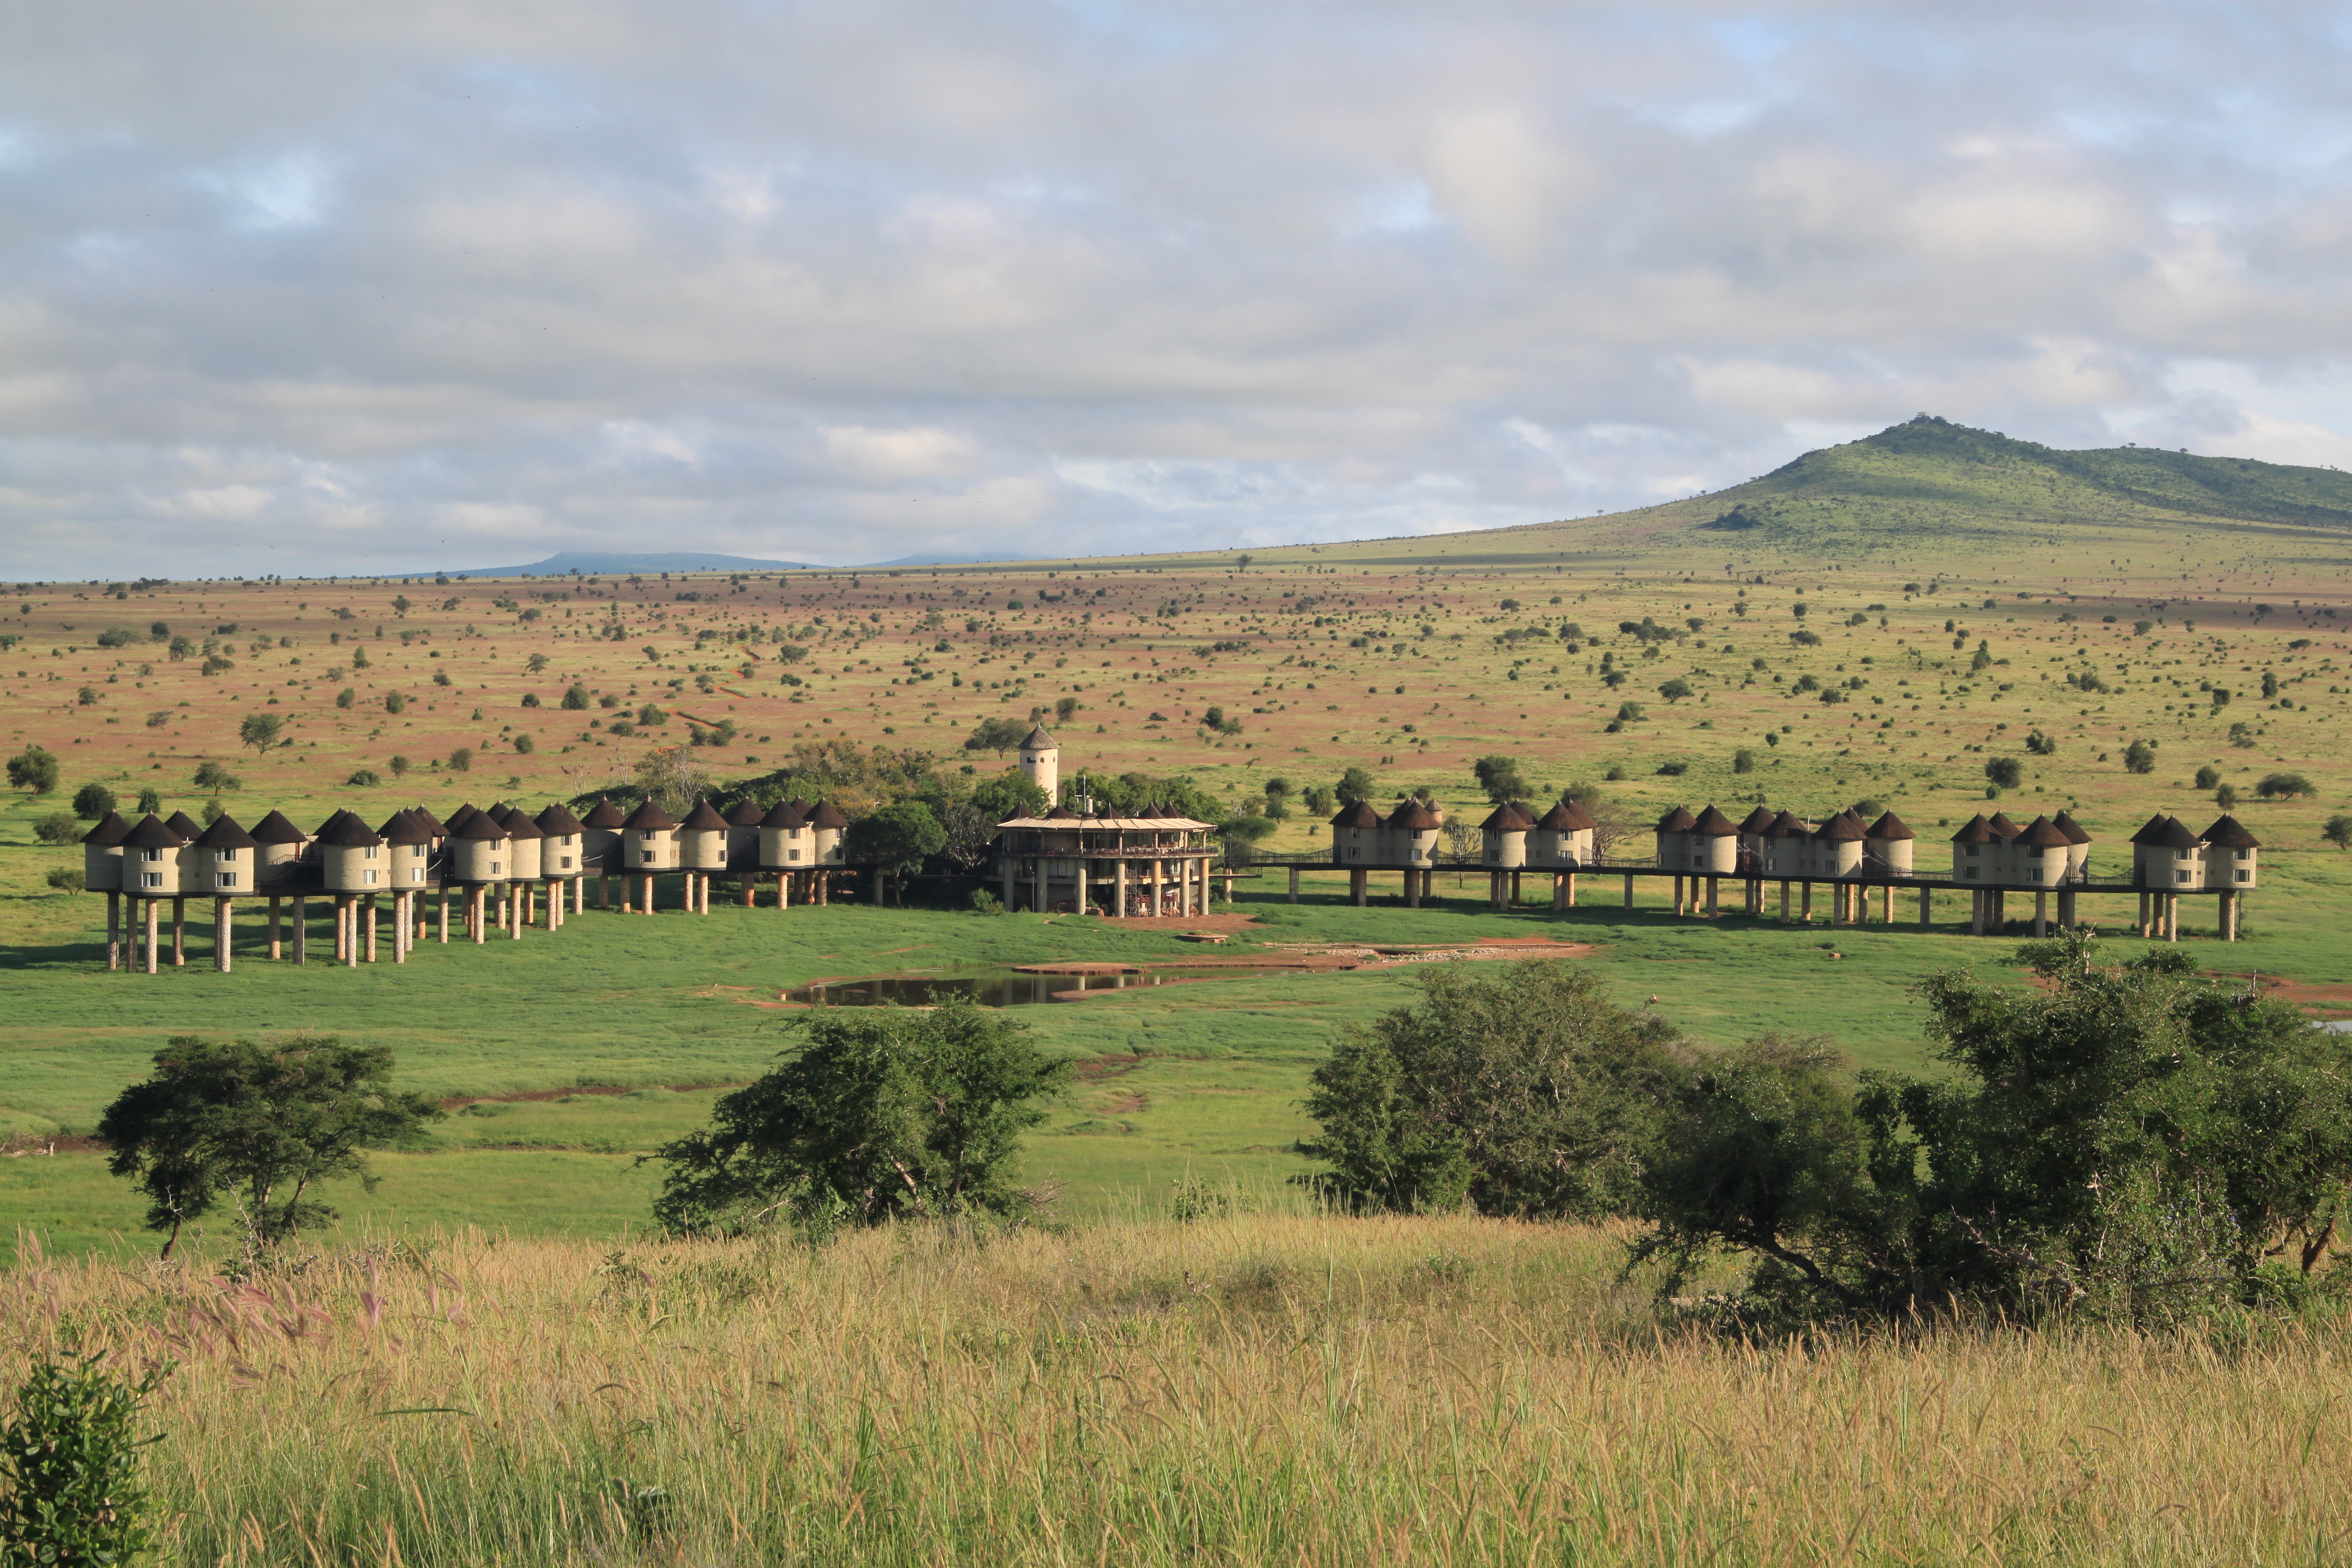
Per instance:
x=2245, y=876
x=417, y=874
x=789, y=855
x=494, y=868
x=367, y=879
x=1972, y=850
x=151, y=856
x=2180, y=875
x=228, y=855
x=228, y=878
x=567, y=862
x=371, y=852
x=151, y=878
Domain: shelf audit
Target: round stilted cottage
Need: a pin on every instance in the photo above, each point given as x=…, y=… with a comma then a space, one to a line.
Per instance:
x=2078, y=846
x=2167, y=856
x=437, y=831
x=1978, y=852
x=787, y=842
x=1560, y=838
x=743, y=835
x=1713, y=844
x=648, y=841
x=1413, y=830
x=186, y=826
x=352, y=857
x=1356, y=835
x=1673, y=839
x=2038, y=854
x=1788, y=846
x=2230, y=854
x=479, y=853
x=601, y=838
x=102, y=854
x=408, y=852
x=527, y=843
x=702, y=839
x=828, y=824
x=280, y=857
x=1838, y=847
x=1755, y=829
x=563, y=848
x=153, y=856
x=225, y=860
x=1886, y=847
x=1503, y=836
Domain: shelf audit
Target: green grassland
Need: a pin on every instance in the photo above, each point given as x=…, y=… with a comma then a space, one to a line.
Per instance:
x=1958, y=589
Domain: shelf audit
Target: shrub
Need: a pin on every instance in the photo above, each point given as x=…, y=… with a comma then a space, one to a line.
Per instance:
x=399, y=767
x=57, y=827
x=394, y=702
x=65, y=879
x=885, y=1113
x=2139, y=757
x=364, y=778
x=530, y=699
x=69, y=1465
x=92, y=801
x=151, y=802
x=2005, y=771
x=1743, y=760
x=211, y=775
x=2207, y=776
x=1528, y=1093
x=462, y=760
x=36, y=769
x=524, y=746
x=2339, y=831
x=158, y=719
x=2284, y=787
x=575, y=698
x=347, y=697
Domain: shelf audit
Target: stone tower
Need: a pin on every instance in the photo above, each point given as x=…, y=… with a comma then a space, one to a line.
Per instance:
x=1041, y=761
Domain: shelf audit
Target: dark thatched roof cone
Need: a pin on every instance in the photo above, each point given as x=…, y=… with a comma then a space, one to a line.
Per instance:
x=403, y=828
x=2002, y=825
x=1413, y=816
x=1714, y=823
x=746, y=814
x=1789, y=825
x=557, y=821
x=1356, y=814
x=275, y=829
x=225, y=834
x=112, y=829
x=186, y=826
x=704, y=818
x=518, y=824
x=151, y=832
x=462, y=815
x=786, y=815
x=824, y=815
x=604, y=815
x=1678, y=820
x=1846, y=827
x=649, y=818
x=2043, y=832
x=2229, y=834
x=2152, y=832
x=1584, y=822
x=2177, y=834
x=430, y=822
x=1560, y=818
x=2070, y=828
x=1890, y=828
x=1759, y=822
x=1977, y=831
x=1504, y=818
x=347, y=831
x=481, y=827
x=1039, y=741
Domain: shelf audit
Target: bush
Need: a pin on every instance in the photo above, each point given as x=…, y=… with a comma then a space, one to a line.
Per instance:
x=461, y=760
x=2007, y=773
x=363, y=778
x=347, y=697
x=2284, y=787
x=575, y=698
x=886, y=1113
x=399, y=767
x=2132, y=1145
x=65, y=879
x=92, y=801
x=1528, y=1093
x=983, y=902
x=151, y=802
x=57, y=827
x=2339, y=831
x=70, y=1464
x=2139, y=757
x=395, y=702
x=36, y=769
x=524, y=746
x=211, y=775
x=1743, y=760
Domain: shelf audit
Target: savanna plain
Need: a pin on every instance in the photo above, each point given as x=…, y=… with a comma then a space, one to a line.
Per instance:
x=495, y=1357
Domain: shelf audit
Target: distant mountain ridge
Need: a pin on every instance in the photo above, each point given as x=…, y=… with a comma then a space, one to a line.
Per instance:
x=608, y=564
x=1929, y=475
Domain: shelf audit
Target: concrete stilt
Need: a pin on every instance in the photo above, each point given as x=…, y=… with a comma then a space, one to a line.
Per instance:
x=1571, y=891
x=114, y=929
x=1356, y=888
x=443, y=926
x=301, y=930
x=1784, y=902
x=367, y=918
x=478, y=914
x=1629, y=889
x=179, y=933
x=1412, y=889
x=1679, y=897
x=1293, y=884
x=1805, y=904
x=2041, y=915
x=1712, y=895
x=276, y=949
x=151, y=935
x=220, y=936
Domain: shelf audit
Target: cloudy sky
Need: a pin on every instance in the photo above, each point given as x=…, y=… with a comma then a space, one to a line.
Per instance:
x=367, y=287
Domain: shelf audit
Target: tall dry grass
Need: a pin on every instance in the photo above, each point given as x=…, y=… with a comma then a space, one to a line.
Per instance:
x=1273, y=1389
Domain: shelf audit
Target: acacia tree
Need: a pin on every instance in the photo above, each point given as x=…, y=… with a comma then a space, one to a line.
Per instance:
x=896, y=839
x=1502, y=778
x=255, y=1125
x=36, y=769
x=886, y=1111
x=999, y=736
x=260, y=731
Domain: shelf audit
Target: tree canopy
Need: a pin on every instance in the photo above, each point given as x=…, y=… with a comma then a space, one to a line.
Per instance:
x=256, y=1126
x=885, y=1112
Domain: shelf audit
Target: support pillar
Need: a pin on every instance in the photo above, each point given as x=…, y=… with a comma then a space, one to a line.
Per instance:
x=403, y=931
x=747, y=889
x=578, y=895
x=1356, y=888
x=1081, y=864
x=445, y=916
x=1886, y=905
x=151, y=914
x=2041, y=915
x=477, y=913
x=1559, y=890
x=220, y=936
x=1412, y=889
x=301, y=930
x=179, y=933
x=1713, y=894
x=114, y=925
x=1119, y=891
x=1571, y=891
x=2066, y=909
x=367, y=919
x=513, y=906
x=2172, y=917
x=1629, y=889
x=1514, y=890
x=1293, y=884
x=604, y=892
x=1784, y=900
x=1678, y=896
x=1805, y=904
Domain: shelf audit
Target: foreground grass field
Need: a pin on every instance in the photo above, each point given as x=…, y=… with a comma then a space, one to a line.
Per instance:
x=1264, y=1388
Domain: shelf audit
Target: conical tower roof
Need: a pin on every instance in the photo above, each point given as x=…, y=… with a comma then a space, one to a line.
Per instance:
x=1714, y=823
x=276, y=828
x=151, y=832
x=704, y=818
x=604, y=815
x=1678, y=820
x=111, y=829
x=1890, y=829
x=649, y=818
x=745, y=814
x=825, y=814
x=2070, y=828
x=2229, y=834
x=225, y=833
x=557, y=821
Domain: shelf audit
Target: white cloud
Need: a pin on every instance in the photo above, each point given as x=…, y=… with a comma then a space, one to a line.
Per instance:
x=361, y=289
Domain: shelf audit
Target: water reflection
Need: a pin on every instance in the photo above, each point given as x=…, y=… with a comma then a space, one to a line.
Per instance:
x=1000, y=989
